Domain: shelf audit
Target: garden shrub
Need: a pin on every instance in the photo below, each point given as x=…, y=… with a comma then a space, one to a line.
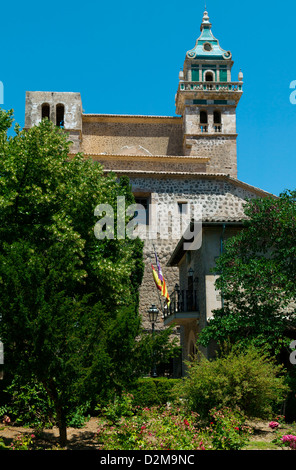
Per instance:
x=2, y=445
x=153, y=391
x=118, y=407
x=28, y=404
x=154, y=428
x=248, y=379
x=228, y=429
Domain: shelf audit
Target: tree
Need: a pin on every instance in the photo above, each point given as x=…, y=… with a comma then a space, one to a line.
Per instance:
x=257, y=274
x=69, y=302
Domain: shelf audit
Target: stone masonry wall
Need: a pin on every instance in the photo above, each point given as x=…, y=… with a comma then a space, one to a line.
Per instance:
x=220, y=149
x=159, y=138
x=218, y=200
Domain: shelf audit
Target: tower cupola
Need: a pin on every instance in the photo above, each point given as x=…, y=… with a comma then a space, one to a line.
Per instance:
x=207, y=99
x=207, y=46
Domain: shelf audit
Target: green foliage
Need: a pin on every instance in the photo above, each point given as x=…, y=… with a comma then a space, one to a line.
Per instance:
x=29, y=404
x=228, y=429
x=23, y=442
x=156, y=428
x=69, y=302
x=79, y=416
x=152, y=392
x=121, y=406
x=257, y=273
x=2, y=445
x=157, y=349
x=247, y=379
x=6, y=119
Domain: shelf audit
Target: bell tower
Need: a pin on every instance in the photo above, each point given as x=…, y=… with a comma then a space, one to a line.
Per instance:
x=207, y=99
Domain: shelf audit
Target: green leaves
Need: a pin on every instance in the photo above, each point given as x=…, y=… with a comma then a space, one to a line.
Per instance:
x=247, y=378
x=258, y=274
x=64, y=293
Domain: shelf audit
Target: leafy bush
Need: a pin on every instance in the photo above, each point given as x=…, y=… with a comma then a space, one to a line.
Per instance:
x=249, y=380
x=289, y=440
x=23, y=442
x=155, y=428
x=228, y=429
x=2, y=445
x=150, y=392
x=79, y=416
x=29, y=404
x=116, y=409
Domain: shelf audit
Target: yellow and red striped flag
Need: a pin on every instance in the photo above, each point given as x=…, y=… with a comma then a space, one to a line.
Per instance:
x=160, y=281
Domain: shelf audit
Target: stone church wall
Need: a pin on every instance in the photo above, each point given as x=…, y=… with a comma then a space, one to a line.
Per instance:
x=216, y=199
x=161, y=136
x=220, y=149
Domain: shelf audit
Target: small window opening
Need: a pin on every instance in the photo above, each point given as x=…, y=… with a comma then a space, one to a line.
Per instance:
x=203, y=117
x=60, y=113
x=217, y=117
x=209, y=77
x=182, y=207
x=143, y=212
x=45, y=111
x=217, y=121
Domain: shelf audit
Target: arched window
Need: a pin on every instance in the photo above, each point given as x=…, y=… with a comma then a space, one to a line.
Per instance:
x=209, y=76
x=45, y=111
x=60, y=113
x=203, y=121
x=217, y=117
x=217, y=121
x=203, y=115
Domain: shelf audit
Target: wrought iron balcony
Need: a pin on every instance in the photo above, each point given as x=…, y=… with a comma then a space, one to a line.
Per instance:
x=183, y=306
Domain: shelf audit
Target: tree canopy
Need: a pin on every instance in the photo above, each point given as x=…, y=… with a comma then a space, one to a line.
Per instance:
x=69, y=302
x=257, y=274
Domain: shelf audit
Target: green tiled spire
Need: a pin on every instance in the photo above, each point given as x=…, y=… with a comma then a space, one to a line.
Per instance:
x=207, y=46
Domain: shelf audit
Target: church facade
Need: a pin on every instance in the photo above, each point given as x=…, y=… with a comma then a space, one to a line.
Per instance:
x=180, y=167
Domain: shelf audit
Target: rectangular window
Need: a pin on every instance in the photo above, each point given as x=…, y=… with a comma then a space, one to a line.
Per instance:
x=195, y=74
x=183, y=207
x=143, y=214
x=223, y=75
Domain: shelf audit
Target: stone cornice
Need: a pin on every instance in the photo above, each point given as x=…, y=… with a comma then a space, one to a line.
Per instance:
x=129, y=157
x=132, y=118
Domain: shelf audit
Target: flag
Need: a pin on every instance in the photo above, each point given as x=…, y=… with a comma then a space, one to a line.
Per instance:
x=158, y=268
x=156, y=278
x=160, y=281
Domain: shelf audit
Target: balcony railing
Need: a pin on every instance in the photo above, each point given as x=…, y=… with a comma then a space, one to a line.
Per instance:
x=182, y=301
x=205, y=128
x=211, y=86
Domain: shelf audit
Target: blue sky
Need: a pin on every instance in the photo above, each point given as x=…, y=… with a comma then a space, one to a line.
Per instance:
x=124, y=58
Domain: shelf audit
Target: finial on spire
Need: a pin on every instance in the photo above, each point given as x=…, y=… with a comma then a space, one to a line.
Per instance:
x=206, y=20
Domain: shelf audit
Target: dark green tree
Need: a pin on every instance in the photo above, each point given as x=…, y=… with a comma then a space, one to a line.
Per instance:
x=68, y=300
x=257, y=278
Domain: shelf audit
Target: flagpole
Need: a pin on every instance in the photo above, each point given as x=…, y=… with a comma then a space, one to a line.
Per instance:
x=160, y=274
x=159, y=297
